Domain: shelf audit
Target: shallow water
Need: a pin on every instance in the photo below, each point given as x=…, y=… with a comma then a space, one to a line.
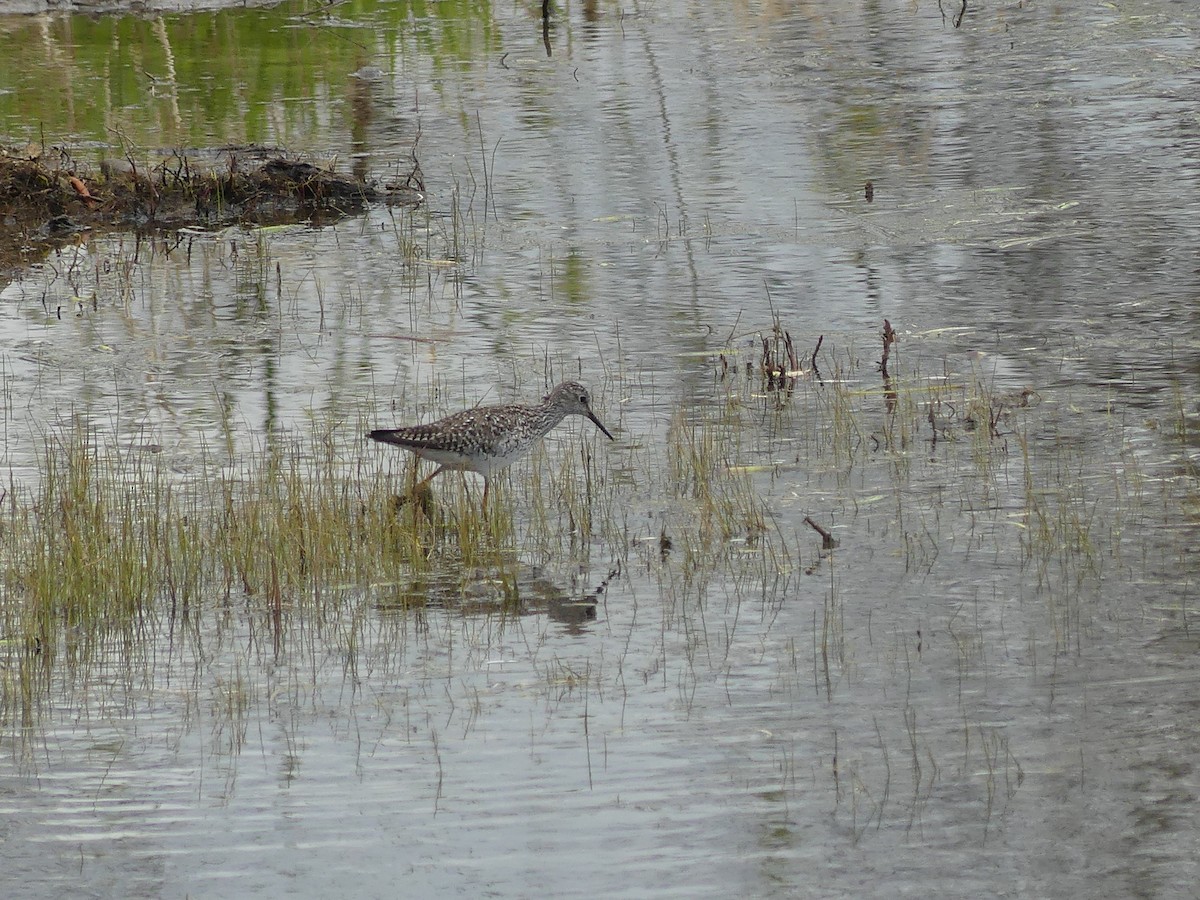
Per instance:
x=988, y=688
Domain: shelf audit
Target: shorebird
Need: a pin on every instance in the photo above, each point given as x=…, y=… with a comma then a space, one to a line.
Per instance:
x=488, y=438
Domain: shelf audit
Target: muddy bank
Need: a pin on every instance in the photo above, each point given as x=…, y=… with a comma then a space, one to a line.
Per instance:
x=47, y=197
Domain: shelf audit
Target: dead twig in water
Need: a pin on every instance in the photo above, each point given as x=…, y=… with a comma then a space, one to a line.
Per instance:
x=779, y=363
x=828, y=541
x=889, y=338
x=416, y=178
x=957, y=20
x=889, y=383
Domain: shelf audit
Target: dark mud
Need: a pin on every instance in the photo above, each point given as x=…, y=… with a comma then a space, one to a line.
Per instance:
x=47, y=197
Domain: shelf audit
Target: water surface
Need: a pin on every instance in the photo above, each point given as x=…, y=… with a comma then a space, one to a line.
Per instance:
x=988, y=687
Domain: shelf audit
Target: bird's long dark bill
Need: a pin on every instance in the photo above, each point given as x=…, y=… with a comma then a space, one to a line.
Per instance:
x=600, y=425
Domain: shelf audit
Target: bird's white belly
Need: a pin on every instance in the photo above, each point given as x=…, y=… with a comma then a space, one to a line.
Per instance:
x=483, y=463
x=487, y=465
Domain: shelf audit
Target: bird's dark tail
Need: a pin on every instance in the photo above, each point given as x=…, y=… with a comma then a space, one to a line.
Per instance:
x=383, y=435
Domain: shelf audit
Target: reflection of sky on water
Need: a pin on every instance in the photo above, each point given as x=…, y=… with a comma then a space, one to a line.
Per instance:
x=651, y=185
x=669, y=180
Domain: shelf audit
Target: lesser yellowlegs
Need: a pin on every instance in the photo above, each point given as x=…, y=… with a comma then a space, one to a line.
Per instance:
x=488, y=438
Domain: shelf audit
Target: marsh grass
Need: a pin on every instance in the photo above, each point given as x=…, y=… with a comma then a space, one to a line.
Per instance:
x=109, y=545
x=964, y=466
x=302, y=537
x=703, y=462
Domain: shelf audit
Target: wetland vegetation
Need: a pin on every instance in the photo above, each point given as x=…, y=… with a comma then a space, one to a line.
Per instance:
x=886, y=584
x=109, y=544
